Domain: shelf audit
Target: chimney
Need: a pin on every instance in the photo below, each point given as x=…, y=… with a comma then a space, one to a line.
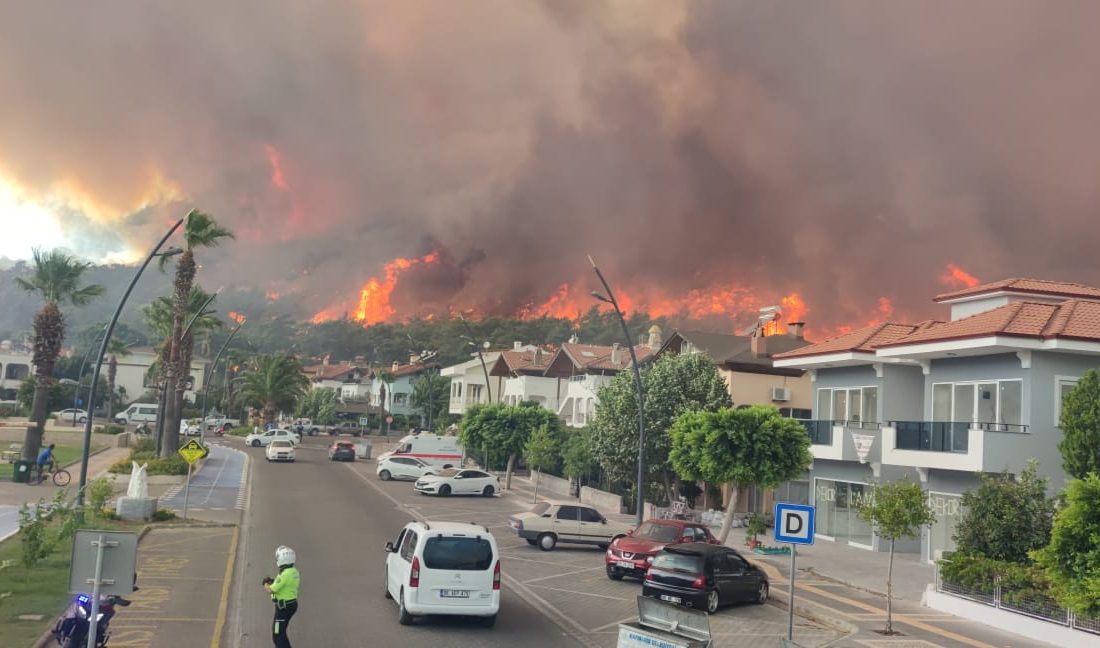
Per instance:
x=796, y=329
x=414, y=358
x=654, y=338
x=759, y=345
x=538, y=357
x=395, y=366
x=517, y=346
x=325, y=360
x=616, y=353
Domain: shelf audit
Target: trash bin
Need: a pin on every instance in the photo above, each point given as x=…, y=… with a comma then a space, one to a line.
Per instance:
x=23, y=471
x=662, y=624
x=362, y=450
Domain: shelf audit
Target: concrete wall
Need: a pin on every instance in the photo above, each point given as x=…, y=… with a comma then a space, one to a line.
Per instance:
x=756, y=389
x=901, y=393
x=606, y=502
x=550, y=485
x=538, y=388
x=1044, y=428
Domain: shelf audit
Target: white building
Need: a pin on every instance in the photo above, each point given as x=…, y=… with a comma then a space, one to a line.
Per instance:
x=523, y=370
x=586, y=368
x=468, y=384
x=133, y=373
x=15, y=367
x=351, y=380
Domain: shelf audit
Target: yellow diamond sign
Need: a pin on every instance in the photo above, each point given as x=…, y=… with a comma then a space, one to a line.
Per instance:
x=192, y=451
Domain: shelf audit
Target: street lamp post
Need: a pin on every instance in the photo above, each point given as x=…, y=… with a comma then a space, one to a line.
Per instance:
x=103, y=350
x=213, y=366
x=610, y=299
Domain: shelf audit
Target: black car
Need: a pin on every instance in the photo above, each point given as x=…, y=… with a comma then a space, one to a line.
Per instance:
x=341, y=451
x=704, y=577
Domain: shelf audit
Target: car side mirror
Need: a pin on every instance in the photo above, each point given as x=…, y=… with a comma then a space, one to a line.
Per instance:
x=546, y=515
x=389, y=547
x=603, y=521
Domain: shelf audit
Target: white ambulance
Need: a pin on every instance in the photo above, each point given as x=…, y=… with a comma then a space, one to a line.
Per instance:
x=440, y=451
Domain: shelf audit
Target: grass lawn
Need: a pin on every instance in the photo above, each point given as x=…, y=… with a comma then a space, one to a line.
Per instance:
x=42, y=590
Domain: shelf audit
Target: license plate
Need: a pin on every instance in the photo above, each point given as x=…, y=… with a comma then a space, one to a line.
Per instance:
x=671, y=599
x=449, y=593
x=625, y=564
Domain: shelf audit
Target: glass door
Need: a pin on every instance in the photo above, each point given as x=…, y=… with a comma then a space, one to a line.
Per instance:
x=859, y=529
x=843, y=512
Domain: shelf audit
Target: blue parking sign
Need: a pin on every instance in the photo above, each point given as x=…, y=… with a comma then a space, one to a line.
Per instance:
x=794, y=523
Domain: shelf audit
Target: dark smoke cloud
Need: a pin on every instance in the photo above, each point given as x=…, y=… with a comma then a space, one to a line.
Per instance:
x=845, y=150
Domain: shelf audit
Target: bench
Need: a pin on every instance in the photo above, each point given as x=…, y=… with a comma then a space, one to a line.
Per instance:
x=13, y=452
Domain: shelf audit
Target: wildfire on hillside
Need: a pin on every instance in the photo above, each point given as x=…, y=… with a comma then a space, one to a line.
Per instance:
x=236, y=317
x=956, y=277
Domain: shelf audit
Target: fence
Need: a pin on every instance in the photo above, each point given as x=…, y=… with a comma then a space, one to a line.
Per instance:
x=1025, y=601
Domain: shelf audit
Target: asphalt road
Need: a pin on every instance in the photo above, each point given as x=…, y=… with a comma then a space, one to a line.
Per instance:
x=338, y=527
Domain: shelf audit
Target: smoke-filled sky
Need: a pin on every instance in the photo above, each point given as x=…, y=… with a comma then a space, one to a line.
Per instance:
x=844, y=151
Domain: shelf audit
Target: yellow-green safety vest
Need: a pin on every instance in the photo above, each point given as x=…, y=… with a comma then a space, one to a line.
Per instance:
x=285, y=587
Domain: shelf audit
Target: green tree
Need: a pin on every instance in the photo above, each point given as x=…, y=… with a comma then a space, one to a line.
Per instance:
x=56, y=279
x=1072, y=559
x=200, y=231
x=577, y=459
x=504, y=429
x=1005, y=518
x=273, y=383
x=754, y=445
x=898, y=510
x=319, y=405
x=1080, y=444
x=673, y=384
x=543, y=451
x=431, y=395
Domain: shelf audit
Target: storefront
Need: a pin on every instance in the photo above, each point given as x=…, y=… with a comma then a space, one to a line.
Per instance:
x=947, y=509
x=838, y=518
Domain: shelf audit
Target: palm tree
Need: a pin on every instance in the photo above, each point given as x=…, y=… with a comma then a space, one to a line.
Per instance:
x=116, y=348
x=56, y=278
x=201, y=231
x=273, y=383
x=431, y=393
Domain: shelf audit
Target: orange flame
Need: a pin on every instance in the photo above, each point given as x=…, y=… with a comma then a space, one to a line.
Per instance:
x=236, y=317
x=277, y=178
x=374, y=298
x=792, y=309
x=956, y=277
x=272, y=295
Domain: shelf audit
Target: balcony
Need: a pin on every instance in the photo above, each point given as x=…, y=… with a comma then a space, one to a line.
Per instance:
x=821, y=432
x=946, y=445
x=842, y=440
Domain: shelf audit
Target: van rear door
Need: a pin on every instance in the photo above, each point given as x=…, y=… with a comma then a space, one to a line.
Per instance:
x=457, y=570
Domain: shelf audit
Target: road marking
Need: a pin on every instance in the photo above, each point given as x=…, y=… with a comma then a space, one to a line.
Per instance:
x=552, y=576
x=182, y=540
x=219, y=625
x=567, y=591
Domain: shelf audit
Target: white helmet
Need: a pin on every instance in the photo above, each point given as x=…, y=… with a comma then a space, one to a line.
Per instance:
x=284, y=556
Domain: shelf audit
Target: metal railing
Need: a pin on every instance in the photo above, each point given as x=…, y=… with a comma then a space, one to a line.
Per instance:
x=861, y=425
x=821, y=432
x=934, y=436
x=1009, y=428
x=1023, y=601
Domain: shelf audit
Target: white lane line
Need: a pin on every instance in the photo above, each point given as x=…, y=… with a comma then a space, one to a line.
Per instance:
x=568, y=591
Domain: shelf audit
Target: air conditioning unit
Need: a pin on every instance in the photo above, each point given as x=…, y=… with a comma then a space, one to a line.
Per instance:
x=781, y=394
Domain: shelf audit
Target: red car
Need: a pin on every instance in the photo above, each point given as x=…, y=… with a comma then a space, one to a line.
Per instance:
x=631, y=556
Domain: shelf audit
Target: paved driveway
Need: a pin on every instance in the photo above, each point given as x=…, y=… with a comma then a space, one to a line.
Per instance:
x=569, y=584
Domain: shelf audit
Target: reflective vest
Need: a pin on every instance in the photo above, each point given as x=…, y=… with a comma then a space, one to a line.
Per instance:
x=285, y=587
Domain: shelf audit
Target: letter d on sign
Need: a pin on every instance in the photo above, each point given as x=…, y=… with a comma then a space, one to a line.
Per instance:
x=792, y=523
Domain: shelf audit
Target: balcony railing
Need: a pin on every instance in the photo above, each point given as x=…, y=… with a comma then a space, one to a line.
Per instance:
x=821, y=432
x=861, y=425
x=934, y=436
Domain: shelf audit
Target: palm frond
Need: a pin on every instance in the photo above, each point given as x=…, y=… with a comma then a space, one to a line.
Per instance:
x=82, y=296
x=56, y=278
x=203, y=231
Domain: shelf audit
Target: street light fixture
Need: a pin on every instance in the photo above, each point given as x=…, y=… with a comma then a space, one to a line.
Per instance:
x=156, y=252
x=213, y=366
x=469, y=339
x=610, y=299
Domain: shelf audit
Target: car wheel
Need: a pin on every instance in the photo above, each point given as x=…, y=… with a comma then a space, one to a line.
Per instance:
x=403, y=616
x=444, y=490
x=712, y=601
x=489, y=621
x=614, y=574
x=762, y=593
x=385, y=475
x=255, y=443
x=83, y=419
x=531, y=541
x=447, y=466
x=386, y=586
x=547, y=541
x=488, y=492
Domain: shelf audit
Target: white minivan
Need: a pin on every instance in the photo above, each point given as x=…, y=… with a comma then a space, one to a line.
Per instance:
x=444, y=568
x=138, y=413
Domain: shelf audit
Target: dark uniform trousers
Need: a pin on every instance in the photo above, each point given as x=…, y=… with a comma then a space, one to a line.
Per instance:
x=284, y=610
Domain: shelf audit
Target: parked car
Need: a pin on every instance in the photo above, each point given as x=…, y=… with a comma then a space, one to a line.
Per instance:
x=551, y=522
x=138, y=413
x=257, y=439
x=444, y=568
x=71, y=415
x=341, y=451
x=280, y=450
x=631, y=555
x=191, y=427
x=704, y=576
x=403, y=468
x=458, y=482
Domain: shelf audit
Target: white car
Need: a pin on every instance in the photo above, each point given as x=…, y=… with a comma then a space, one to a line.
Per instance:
x=71, y=415
x=280, y=450
x=191, y=427
x=458, y=482
x=257, y=439
x=445, y=568
x=403, y=468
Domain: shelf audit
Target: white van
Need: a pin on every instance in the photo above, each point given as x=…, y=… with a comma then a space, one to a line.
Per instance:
x=438, y=451
x=446, y=568
x=138, y=413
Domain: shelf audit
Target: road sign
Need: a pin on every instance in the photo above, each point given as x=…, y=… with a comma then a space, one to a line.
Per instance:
x=389, y=419
x=117, y=557
x=364, y=421
x=192, y=451
x=794, y=523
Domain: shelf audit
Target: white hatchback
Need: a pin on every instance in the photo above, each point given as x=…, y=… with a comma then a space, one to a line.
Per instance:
x=257, y=439
x=403, y=468
x=279, y=450
x=444, y=568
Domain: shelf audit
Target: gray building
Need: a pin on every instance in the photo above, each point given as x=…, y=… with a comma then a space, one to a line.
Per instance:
x=941, y=401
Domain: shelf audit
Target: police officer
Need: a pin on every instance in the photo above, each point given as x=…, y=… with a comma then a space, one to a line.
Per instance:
x=284, y=592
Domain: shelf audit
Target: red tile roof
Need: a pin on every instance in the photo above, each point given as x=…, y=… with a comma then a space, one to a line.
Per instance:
x=412, y=369
x=524, y=361
x=332, y=371
x=1026, y=286
x=1071, y=319
x=593, y=356
x=864, y=340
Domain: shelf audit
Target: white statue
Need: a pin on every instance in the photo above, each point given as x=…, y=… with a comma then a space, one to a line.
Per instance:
x=139, y=487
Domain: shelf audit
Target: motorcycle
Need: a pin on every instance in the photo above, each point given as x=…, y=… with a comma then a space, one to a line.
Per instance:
x=72, y=628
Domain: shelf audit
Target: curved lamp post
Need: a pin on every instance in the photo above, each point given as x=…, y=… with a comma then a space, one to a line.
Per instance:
x=610, y=299
x=469, y=338
x=103, y=350
x=214, y=366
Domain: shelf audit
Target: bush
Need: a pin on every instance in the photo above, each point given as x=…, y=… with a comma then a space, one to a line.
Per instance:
x=1006, y=517
x=10, y=410
x=1018, y=582
x=145, y=444
x=163, y=515
x=110, y=429
x=99, y=491
x=241, y=431
x=171, y=466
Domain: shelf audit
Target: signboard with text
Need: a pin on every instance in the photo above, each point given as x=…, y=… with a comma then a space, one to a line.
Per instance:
x=794, y=523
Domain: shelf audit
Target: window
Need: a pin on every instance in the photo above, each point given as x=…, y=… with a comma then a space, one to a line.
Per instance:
x=567, y=513
x=400, y=399
x=409, y=545
x=738, y=563
x=1063, y=385
x=474, y=474
x=590, y=515
x=458, y=553
x=540, y=508
x=848, y=404
x=992, y=401
x=17, y=371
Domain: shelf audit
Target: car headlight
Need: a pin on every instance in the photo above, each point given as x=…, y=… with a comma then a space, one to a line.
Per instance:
x=649, y=560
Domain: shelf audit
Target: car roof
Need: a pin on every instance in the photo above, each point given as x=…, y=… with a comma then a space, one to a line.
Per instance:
x=553, y=502
x=697, y=549
x=455, y=527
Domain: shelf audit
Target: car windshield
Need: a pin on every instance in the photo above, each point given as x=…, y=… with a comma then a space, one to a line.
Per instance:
x=541, y=508
x=458, y=553
x=677, y=562
x=658, y=532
